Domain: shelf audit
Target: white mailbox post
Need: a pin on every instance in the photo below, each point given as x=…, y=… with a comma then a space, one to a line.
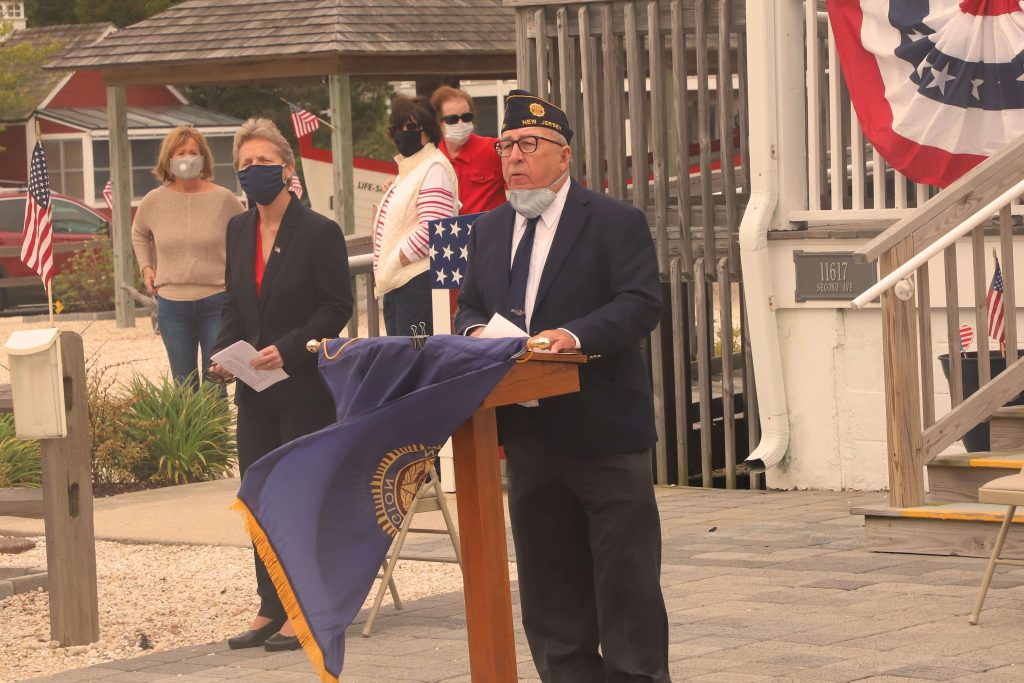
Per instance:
x=37, y=384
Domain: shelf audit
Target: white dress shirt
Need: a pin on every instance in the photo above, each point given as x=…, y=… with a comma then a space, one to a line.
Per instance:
x=547, y=225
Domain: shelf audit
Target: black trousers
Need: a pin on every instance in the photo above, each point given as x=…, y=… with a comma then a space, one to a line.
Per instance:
x=588, y=545
x=409, y=305
x=259, y=432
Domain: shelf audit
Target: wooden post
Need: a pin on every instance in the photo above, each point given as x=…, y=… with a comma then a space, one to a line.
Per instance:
x=340, y=87
x=902, y=399
x=67, y=511
x=484, y=551
x=121, y=218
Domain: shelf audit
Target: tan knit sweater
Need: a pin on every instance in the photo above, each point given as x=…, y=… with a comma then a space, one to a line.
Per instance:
x=184, y=232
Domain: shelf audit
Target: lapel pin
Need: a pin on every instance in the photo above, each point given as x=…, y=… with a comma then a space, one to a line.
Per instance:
x=277, y=250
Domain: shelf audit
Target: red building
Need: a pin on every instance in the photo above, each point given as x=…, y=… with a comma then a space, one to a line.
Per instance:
x=71, y=110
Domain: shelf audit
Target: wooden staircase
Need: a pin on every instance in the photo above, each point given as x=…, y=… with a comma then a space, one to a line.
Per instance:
x=975, y=214
x=953, y=522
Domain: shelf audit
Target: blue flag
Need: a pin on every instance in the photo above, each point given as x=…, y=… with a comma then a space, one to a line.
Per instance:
x=323, y=509
x=449, y=250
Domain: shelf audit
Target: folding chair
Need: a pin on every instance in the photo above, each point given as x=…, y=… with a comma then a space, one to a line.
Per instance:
x=1007, y=491
x=430, y=498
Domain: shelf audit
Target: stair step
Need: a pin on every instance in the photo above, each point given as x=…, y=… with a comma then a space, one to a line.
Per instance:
x=956, y=477
x=958, y=529
x=1006, y=429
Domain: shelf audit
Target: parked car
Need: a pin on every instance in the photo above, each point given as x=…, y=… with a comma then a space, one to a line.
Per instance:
x=74, y=223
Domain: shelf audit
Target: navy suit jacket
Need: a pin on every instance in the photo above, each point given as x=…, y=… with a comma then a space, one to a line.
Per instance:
x=601, y=282
x=306, y=294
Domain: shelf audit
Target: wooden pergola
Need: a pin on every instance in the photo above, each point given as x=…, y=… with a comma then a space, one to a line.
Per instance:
x=239, y=41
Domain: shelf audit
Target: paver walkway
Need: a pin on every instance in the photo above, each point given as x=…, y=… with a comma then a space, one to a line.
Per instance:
x=760, y=587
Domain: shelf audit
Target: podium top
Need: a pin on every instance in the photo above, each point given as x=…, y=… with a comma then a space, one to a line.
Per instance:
x=541, y=375
x=549, y=357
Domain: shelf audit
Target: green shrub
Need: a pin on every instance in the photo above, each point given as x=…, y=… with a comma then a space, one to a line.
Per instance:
x=87, y=283
x=114, y=458
x=187, y=435
x=21, y=463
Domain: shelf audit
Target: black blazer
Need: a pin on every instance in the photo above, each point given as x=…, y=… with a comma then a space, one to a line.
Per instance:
x=306, y=294
x=600, y=281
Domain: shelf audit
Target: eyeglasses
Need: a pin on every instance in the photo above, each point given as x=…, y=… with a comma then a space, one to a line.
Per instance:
x=527, y=145
x=452, y=119
x=409, y=127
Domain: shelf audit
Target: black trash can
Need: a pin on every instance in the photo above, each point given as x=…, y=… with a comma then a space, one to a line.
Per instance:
x=977, y=439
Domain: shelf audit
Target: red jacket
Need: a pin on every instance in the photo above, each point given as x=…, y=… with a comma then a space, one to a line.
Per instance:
x=478, y=168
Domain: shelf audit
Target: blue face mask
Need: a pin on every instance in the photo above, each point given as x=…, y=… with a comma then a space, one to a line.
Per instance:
x=262, y=183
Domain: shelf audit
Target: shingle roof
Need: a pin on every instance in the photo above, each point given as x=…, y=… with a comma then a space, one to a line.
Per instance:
x=242, y=30
x=139, y=118
x=37, y=82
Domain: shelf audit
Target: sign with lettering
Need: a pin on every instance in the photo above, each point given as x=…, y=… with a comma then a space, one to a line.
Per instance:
x=831, y=276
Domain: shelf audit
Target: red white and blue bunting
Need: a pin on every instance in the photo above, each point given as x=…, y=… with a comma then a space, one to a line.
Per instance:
x=938, y=85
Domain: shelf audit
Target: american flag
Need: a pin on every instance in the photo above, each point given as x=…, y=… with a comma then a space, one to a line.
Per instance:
x=449, y=244
x=296, y=185
x=36, y=247
x=303, y=122
x=108, y=196
x=994, y=303
x=966, y=336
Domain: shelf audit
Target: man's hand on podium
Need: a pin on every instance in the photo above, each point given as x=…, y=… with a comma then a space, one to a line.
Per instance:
x=560, y=340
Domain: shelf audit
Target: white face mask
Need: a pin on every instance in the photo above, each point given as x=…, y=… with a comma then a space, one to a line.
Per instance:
x=458, y=133
x=532, y=203
x=187, y=167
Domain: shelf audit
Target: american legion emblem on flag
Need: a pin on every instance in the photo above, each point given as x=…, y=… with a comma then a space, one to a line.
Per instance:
x=449, y=245
x=938, y=85
x=322, y=510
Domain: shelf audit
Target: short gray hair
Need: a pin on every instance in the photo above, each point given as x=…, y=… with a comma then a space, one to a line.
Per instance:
x=265, y=129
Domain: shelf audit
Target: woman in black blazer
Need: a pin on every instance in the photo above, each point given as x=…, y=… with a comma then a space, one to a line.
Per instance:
x=287, y=282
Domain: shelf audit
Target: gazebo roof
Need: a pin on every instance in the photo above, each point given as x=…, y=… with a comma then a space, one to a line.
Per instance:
x=223, y=40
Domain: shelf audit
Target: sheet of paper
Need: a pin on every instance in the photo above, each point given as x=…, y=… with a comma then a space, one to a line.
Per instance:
x=499, y=326
x=235, y=359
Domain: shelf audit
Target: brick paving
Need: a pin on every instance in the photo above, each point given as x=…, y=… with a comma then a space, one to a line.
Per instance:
x=760, y=587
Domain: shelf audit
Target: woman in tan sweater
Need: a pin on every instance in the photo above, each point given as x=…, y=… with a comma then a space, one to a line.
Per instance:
x=179, y=239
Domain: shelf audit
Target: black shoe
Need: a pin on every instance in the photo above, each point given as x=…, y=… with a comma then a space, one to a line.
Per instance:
x=281, y=643
x=257, y=636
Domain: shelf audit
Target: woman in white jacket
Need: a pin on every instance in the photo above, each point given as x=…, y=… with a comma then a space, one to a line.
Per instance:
x=425, y=189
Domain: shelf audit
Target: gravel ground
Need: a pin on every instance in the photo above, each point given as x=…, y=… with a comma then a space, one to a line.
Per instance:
x=117, y=352
x=174, y=595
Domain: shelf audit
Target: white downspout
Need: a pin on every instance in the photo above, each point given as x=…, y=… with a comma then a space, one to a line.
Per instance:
x=777, y=149
x=763, y=331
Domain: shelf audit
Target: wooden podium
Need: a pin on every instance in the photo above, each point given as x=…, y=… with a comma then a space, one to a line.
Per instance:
x=492, y=650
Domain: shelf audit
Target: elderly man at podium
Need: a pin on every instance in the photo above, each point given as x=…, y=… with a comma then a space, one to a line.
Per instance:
x=579, y=268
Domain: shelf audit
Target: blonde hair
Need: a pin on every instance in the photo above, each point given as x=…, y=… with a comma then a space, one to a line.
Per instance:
x=265, y=130
x=175, y=139
x=445, y=93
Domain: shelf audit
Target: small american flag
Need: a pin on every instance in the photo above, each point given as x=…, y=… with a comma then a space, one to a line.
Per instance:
x=36, y=239
x=966, y=336
x=449, y=244
x=994, y=303
x=296, y=185
x=108, y=196
x=303, y=122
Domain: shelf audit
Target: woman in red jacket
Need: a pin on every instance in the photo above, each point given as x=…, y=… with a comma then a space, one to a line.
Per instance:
x=477, y=166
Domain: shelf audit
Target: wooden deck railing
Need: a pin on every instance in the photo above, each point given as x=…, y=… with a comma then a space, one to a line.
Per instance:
x=915, y=434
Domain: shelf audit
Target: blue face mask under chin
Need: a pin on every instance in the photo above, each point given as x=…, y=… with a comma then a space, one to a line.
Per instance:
x=532, y=203
x=262, y=182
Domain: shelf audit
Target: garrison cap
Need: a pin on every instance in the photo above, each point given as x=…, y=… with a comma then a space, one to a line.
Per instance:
x=524, y=109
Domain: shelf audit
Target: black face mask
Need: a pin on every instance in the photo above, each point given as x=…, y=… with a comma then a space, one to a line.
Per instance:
x=408, y=142
x=262, y=183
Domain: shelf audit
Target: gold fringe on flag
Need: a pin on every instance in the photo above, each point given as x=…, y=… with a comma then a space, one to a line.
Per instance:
x=284, y=591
